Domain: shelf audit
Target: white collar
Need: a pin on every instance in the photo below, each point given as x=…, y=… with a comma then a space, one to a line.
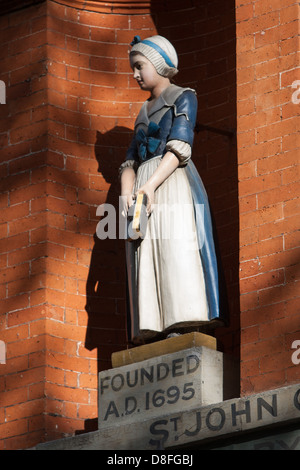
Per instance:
x=166, y=99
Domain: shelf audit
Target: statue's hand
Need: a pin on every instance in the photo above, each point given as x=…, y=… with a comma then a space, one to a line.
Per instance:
x=147, y=189
x=126, y=201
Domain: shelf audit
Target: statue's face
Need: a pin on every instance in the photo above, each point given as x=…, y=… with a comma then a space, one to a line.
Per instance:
x=144, y=72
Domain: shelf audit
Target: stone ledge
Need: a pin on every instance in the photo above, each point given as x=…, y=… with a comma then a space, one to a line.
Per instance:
x=236, y=417
x=160, y=348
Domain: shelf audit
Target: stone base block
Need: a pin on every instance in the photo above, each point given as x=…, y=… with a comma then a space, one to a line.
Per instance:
x=161, y=385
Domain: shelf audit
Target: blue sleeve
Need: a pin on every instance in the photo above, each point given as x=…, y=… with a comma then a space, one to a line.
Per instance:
x=184, y=122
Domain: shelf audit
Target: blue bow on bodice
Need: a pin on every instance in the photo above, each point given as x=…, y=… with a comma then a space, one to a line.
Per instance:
x=148, y=143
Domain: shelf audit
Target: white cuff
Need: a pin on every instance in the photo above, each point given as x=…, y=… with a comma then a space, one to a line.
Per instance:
x=182, y=150
x=128, y=164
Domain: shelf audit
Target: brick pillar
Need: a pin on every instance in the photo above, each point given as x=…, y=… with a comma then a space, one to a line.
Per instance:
x=70, y=109
x=92, y=103
x=23, y=226
x=268, y=157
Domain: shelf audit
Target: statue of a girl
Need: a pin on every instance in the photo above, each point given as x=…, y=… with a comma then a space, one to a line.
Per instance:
x=172, y=272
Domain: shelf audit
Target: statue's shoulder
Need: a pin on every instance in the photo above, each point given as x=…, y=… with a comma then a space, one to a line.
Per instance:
x=173, y=92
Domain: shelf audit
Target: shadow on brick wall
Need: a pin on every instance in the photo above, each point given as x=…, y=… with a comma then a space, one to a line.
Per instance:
x=105, y=287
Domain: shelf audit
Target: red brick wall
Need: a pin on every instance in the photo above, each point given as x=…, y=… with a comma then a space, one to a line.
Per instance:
x=268, y=156
x=23, y=227
x=71, y=104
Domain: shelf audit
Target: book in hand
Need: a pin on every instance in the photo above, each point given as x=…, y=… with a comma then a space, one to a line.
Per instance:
x=137, y=218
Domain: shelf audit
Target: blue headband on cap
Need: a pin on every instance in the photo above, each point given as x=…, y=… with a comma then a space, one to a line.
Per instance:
x=137, y=40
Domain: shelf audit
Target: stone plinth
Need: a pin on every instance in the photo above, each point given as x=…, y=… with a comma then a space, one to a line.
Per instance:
x=161, y=385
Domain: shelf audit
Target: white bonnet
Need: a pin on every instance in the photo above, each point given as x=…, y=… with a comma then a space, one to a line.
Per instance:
x=160, y=52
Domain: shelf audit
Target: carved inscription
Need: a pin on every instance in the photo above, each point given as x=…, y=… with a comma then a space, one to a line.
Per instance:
x=157, y=386
x=225, y=418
